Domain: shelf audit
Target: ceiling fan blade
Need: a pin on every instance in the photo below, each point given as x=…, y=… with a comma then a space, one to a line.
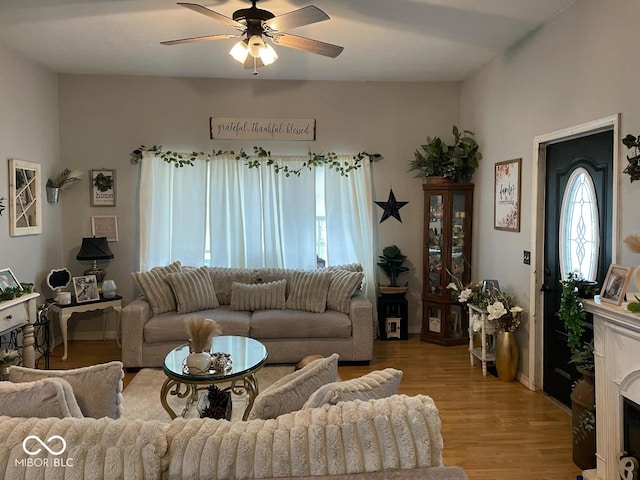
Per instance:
x=308, y=45
x=296, y=18
x=211, y=14
x=199, y=39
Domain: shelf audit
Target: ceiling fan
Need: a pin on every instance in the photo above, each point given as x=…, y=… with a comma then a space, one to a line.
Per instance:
x=256, y=26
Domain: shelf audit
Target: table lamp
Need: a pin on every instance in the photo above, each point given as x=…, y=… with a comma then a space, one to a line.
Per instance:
x=95, y=248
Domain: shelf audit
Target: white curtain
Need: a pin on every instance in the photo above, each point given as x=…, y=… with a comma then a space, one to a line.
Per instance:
x=172, y=213
x=260, y=218
x=349, y=209
x=254, y=217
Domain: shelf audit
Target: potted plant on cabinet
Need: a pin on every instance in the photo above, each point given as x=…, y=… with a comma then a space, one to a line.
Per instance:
x=391, y=262
x=453, y=163
x=583, y=409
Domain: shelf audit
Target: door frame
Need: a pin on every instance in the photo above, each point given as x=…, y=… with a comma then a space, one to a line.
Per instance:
x=540, y=142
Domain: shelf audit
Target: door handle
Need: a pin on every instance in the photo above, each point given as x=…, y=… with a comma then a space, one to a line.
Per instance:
x=547, y=288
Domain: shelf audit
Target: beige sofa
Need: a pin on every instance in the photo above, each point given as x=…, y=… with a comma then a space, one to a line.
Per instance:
x=288, y=331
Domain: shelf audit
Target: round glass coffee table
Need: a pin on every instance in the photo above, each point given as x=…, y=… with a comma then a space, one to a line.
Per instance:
x=247, y=357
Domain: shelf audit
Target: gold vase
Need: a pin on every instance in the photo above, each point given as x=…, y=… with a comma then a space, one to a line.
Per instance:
x=507, y=356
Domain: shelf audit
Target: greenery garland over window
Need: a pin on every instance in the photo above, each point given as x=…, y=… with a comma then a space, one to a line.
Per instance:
x=329, y=159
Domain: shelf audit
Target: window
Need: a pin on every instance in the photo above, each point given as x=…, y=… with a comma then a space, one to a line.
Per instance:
x=579, y=226
x=222, y=213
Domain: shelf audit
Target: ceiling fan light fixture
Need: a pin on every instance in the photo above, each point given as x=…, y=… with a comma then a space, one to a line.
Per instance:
x=256, y=44
x=240, y=51
x=268, y=55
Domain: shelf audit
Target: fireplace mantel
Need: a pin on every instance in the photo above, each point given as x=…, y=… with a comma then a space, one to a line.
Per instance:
x=617, y=369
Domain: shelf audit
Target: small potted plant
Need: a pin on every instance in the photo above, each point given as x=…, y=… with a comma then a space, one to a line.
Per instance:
x=62, y=181
x=391, y=262
x=440, y=162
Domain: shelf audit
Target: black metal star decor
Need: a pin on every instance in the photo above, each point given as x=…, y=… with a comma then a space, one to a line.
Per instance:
x=391, y=207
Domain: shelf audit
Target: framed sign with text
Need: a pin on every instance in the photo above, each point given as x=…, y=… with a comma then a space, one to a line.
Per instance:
x=506, y=199
x=229, y=128
x=103, y=188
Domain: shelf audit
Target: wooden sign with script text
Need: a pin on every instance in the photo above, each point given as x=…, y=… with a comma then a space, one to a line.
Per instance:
x=228, y=128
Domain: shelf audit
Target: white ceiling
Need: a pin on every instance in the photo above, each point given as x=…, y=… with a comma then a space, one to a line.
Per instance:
x=383, y=40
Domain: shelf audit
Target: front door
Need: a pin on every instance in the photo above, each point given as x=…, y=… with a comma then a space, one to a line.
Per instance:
x=578, y=236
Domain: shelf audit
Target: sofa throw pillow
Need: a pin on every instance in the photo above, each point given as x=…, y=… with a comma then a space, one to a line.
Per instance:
x=193, y=290
x=156, y=289
x=48, y=397
x=224, y=277
x=98, y=388
x=262, y=296
x=292, y=391
x=373, y=385
x=341, y=288
x=309, y=291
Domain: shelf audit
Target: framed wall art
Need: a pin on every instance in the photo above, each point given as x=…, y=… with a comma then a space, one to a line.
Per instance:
x=105, y=226
x=103, y=188
x=86, y=289
x=506, y=197
x=25, y=198
x=615, y=284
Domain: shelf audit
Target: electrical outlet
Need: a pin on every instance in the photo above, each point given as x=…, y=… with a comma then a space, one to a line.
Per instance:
x=526, y=258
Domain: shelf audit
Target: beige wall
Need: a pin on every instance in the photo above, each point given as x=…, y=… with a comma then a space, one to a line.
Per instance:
x=579, y=67
x=29, y=131
x=103, y=118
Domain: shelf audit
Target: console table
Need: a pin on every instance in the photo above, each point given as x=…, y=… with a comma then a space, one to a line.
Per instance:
x=17, y=313
x=64, y=312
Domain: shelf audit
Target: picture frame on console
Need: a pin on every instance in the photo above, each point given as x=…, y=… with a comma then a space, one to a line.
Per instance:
x=615, y=284
x=8, y=280
x=86, y=289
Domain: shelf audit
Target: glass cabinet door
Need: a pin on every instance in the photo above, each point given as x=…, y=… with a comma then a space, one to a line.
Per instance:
x=457, y=235
x=435, y=234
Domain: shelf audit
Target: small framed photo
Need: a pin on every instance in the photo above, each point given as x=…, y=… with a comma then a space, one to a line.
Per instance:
x=86, y=289
x=103, y=188
x=506, y=196
x=615, y=284
x=8, y=280
x=105, y=226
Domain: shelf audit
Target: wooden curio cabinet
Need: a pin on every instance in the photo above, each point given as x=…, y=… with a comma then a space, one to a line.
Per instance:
x=448, y=211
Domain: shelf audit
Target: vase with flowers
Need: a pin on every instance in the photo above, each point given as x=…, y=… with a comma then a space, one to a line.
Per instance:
x=201, y=332
x=504, y=317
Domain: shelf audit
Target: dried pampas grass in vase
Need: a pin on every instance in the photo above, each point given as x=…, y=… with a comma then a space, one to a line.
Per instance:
x=201, y=331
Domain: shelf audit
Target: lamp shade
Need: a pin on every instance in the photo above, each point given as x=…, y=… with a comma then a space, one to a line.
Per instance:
x=94, y=248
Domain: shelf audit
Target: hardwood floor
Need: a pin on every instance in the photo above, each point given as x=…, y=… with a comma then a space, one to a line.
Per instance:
x=494, y=430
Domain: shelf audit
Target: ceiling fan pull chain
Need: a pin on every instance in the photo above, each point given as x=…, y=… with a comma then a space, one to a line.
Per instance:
x=255, y=66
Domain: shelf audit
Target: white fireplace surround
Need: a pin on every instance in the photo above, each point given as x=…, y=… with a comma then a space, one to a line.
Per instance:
x=617, y=369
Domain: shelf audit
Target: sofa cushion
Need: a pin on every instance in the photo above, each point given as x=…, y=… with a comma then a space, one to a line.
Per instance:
x=373, y=385
x=169, y=327
x=224, y=277
x=349, y=267
x=309, y=291
x=193, y=290
x=341, y=288
x=259, y=296
x=98, y=388
x=155, y=287
x=299, y=324
x=266, y=275
x=48, y=397
x=292, y=391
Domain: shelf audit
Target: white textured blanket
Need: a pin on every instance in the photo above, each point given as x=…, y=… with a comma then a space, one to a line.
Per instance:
x=398, y=432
